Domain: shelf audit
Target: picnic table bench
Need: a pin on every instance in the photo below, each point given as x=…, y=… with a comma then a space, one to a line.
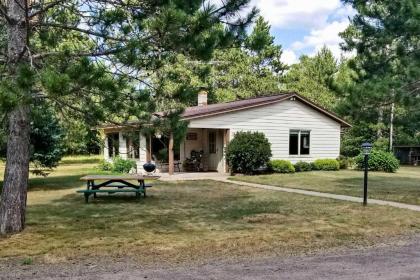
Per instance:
x=116, y=184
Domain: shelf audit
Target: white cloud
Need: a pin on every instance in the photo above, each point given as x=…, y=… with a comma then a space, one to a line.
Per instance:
x=293, y=13
x=327, y=35
x=324, y=19
x=289, y=57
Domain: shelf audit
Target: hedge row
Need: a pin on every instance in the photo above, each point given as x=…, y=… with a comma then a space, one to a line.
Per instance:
x=285, y=166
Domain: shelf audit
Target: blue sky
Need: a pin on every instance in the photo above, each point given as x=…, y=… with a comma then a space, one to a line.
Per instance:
x=304, y=26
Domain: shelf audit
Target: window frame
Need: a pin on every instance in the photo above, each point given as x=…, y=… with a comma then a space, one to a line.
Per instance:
x=299, y=144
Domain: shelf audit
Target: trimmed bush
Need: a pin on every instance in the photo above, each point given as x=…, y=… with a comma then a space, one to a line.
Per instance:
x=326, y=164
x=121, y=165
x=379, y=161
x=302, y=166
x=282, y=166
x=248, y=151
x=118, y=165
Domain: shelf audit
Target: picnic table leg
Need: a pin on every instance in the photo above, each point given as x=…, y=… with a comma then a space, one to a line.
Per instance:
x=142, y=187
x=87, y=197
x=92, y=186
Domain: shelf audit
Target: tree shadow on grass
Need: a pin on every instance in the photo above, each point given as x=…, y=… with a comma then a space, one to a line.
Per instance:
x=169, y=208
x=51, y=183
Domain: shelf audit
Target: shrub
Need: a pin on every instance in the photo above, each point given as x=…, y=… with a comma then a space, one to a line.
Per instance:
x=282, y=166
x=121, y=165
x=379, y=161
x=248, y=151
x=326, y=164
x=118, y=165
x=105, y=165
x=302, y=166
x=344, y=162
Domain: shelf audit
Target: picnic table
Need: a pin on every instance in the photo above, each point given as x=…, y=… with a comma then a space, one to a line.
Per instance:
x=116, y=184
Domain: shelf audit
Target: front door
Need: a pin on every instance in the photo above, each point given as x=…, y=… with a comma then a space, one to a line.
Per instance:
x=215, y=148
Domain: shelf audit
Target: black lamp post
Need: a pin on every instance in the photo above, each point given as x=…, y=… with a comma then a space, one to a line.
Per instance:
x=366, y=147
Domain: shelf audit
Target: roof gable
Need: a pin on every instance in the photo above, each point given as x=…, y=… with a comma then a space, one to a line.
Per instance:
x=222, y=108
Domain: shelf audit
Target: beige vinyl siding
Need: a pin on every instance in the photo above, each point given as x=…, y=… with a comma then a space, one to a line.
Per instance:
x=275, y=121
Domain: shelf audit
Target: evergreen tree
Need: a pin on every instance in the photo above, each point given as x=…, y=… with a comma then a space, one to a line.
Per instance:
x=316, y=78
x=250, y=70
x=385, y=34
x=87, y=59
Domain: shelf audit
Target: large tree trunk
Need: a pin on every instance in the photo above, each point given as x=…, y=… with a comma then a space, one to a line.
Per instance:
x=13, y=197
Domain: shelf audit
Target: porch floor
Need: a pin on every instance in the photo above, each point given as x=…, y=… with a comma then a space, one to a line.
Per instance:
x=181, y=176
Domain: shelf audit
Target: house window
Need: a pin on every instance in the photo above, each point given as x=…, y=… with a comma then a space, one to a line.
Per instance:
x=212, y=142
x=299, y=142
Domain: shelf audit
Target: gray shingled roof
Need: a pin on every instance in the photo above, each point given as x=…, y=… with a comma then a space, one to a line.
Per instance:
x=213, y=109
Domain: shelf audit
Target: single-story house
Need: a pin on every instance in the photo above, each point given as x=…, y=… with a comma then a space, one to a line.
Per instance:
x=298, y=130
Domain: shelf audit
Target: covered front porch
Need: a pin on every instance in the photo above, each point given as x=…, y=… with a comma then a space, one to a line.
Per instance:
x=202, y=149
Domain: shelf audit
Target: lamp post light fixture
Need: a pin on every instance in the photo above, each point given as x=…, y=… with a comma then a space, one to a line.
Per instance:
x=366, y=148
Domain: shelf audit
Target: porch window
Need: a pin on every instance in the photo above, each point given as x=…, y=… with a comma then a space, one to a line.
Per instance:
x=299, y=142
x=113, y=145
x=212, y=142
x=133, y=144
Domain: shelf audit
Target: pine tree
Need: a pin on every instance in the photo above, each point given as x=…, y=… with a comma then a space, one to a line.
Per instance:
x=315, y=78
x=92, y=59
x=385, y=34
x=249, y=70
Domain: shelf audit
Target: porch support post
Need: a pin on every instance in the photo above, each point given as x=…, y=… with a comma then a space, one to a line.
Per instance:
x=122, y=145
x=143, y=148
x=226, y=133
x=149, y=148
x=106, y=148
x=171, y=154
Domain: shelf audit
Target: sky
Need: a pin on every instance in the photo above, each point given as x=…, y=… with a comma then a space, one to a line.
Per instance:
x=305, y=26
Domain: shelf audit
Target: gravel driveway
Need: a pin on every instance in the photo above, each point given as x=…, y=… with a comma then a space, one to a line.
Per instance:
x=398, y=261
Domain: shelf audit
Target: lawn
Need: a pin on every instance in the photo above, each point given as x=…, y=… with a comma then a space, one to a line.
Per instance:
x=403, y=186
x=190, y=221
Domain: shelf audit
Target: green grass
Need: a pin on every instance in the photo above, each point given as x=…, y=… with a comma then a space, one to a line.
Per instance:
x=190, y=221
x=403, y=186
x=77, y=159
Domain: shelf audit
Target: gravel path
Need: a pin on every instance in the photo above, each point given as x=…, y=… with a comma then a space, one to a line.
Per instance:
x=386, y=262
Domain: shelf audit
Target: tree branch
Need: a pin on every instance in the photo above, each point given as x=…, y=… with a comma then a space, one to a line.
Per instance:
x=88, y=32
x=80, y=54
x=45, y=8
